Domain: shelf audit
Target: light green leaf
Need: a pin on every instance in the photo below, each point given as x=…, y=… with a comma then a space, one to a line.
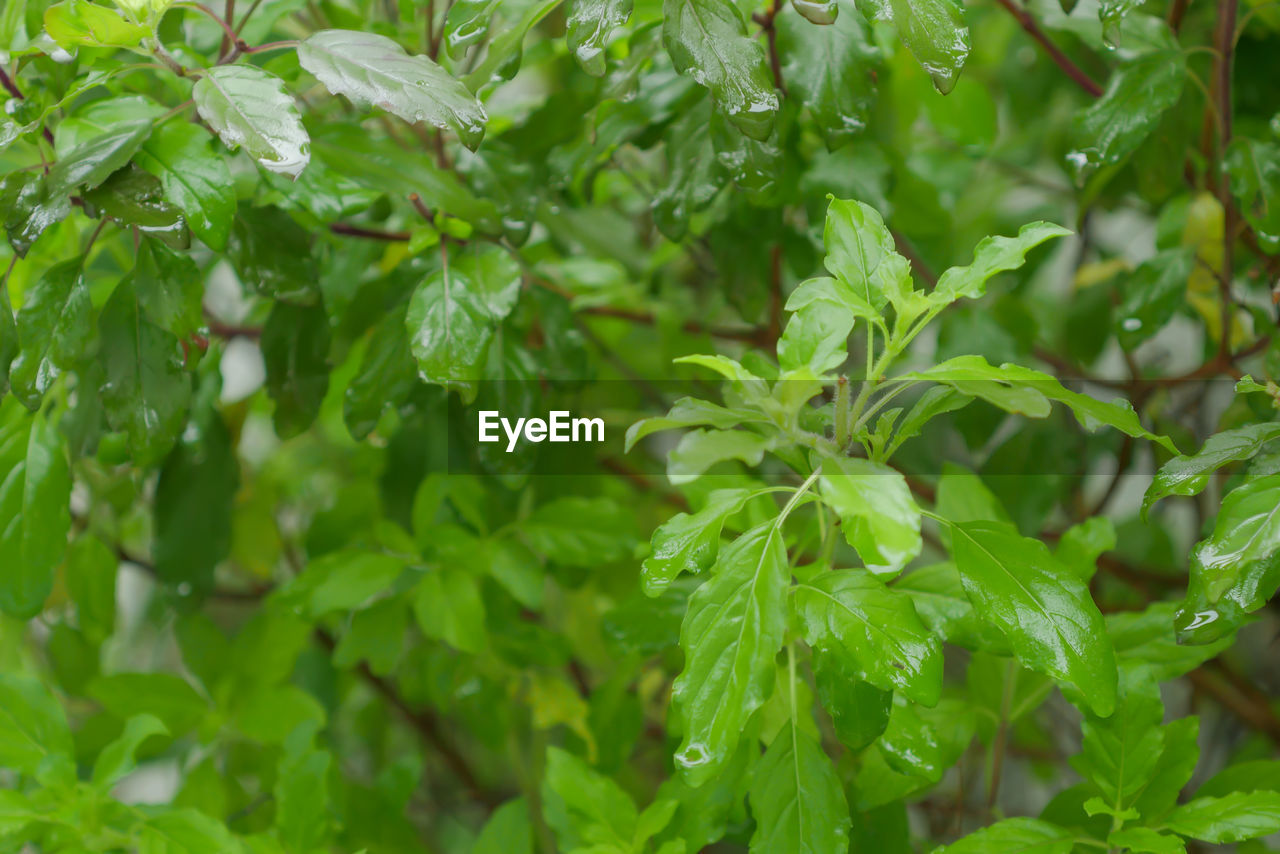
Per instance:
x=877, y=513
x=1040, y=605
x=507, y=831
x=344, y=580
x=857, y=242
x=1144, y=840
x=708, y=40
x=689, y=412
x=699, y=450
x=35, y=494
x=302, y=791
x=1082, y=544
x=163, y=695
x=797, y=799
x=117, y=759
x=1023, y=835
x=448, y=607
x=33, y=726
x=249, y=107
x=374, y=70
x=732, y=630
x=580, y=531
x=78, y=22
x=1119, y=753
x=993, y=255
x=1233, y=818
x=852, y=614
x=1148, y=637
x=585, y=809
x=1189, y=474
x=689, y=542
x=185, y=831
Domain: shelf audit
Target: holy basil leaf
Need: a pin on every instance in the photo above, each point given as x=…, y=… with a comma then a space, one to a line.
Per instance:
x=373, y=69
x=857, y=241
x=993, y=255
x=941, y=603
x=1119, y=753
x=1189, y=474
x=1024, y=835
x=877, y=513
x=33, y=726
x=797, y=799
x=74, y=24
x=1040, y=605
x=852, y=614
x=35, y=493
x=585, y=809
x=699, y=450
x=708, y=40
x=1233, y=818
x=689, y=542
x=733, y=629
x=249, y=107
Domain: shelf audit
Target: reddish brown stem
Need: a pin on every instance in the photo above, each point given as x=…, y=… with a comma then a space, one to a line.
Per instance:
x=1075, y=72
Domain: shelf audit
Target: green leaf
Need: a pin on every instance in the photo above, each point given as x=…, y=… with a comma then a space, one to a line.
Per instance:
x=81, y=23
x=193, y=177
x=1111, y=13
x=1189, y=474
x=249, y=107
x=1137, y=94
x=579, y=531
x=708, y=40
x=295, y=350
x=1151, y=296
x=585, y=809
x=1024, y=835
x=1253, y=169
x=453, y=315
x=1174, y=769
x=1148, y=637
x=731, y=632
x=1119, y=753
x=466, y=24
x=926, y=742
x=344, y=580
x=859, y=711
x=507, y=831
x=274, y=255
x=830, y=69
x=145, y=391
x=92, y=160
x=689, y=542
x=942, y=605
x=28, y=206
x=973, y=376
x=797, y=799
x=54, y=325
x=852, y=614
x=695, y=175
x=163, y=695
x=301, y=792
x=935, y=33
x=590, y=22
x=373, y=70
x=16, y=812
x=857, y=242
x=824, y=313
x=699, y=450
x=385, y=379
x=185, y=831
x=1082, y=544
x=1043, y=609
x=35, y=493
x=1236, y=569
x=993, y=255
x=194, y=504
x=448, y=607
x=1233, y=818
x=33, y=726
x=117, y=759
x=1146, y=840
x=877, y=513
x=90, y=573
x=689, y=412
x=1252, y=776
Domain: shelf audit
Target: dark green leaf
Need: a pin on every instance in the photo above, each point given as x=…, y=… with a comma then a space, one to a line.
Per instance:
x=295, y=348
x=194, y=178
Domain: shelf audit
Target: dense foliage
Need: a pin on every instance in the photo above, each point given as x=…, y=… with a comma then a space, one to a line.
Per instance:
x=902, y=535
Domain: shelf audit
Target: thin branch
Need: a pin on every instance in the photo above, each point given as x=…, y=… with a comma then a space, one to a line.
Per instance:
x=229, y=18
x=12, y=88
x=1224, y=37
x=767, y=26
x=1075, y=72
